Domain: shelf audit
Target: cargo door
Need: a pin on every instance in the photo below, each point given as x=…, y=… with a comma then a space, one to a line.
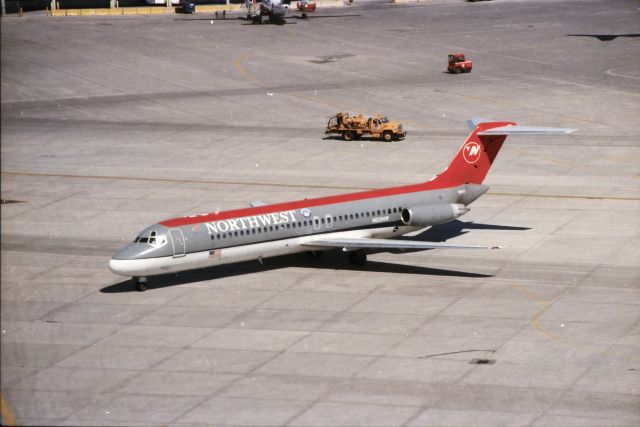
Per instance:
x=177, y=240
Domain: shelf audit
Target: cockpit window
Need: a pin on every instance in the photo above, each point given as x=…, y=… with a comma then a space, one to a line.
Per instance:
x=152, y=238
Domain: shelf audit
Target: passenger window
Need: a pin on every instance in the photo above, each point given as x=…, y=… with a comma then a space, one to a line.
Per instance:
x=356, y=216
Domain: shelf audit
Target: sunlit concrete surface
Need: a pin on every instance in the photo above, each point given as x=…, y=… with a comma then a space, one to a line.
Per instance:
x=110, y=124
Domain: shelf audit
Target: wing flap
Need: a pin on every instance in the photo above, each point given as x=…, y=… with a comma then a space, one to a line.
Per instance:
x=353, y=244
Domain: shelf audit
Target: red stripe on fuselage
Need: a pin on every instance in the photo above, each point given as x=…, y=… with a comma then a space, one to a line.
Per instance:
x=307, y=203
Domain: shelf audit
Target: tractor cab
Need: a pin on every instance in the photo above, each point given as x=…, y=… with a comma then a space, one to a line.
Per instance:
x=459, y=64
x=456, y=57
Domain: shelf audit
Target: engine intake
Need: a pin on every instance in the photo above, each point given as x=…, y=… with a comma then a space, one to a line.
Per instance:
x=423, y=216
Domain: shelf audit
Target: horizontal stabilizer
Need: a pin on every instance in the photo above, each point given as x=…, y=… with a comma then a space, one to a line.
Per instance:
x=473, y=123
x=256, y=203
x=525, y=130
x=352, y=244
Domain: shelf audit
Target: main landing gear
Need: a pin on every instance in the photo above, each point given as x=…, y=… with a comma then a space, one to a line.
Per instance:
x=357, y=258
x=141, y=283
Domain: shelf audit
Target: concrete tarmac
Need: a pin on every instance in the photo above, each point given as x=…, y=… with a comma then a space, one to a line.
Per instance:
x=110, y=124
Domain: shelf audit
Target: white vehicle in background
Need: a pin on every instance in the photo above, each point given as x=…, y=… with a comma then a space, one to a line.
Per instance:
x=176, y=2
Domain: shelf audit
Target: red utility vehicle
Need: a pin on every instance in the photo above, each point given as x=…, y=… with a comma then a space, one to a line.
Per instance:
x=306, y=7
x=457, y=64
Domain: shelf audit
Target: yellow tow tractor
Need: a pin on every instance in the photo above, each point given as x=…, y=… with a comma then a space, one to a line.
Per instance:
x=354, y=127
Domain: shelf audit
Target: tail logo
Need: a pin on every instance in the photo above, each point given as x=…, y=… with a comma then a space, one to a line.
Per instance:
x=471, y=152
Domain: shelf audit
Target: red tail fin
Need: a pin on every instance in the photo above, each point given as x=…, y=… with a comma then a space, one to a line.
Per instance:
x=475, y=157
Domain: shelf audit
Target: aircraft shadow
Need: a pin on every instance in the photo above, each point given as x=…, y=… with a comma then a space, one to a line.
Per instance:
x=329, y=260
x=228, y=19
x=455, y=228
x=326, y=16
x=604, y=37
x=246, y=21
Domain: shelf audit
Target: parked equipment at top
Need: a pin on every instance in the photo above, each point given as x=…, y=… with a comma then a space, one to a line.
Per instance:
x=353, y=127
x=306, y=7
x=458, y=64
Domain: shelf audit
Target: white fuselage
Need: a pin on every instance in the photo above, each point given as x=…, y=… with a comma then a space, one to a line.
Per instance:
x=248, y=252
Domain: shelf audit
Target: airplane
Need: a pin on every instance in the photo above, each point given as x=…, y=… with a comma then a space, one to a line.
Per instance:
x=355, y=222
x=274, y=11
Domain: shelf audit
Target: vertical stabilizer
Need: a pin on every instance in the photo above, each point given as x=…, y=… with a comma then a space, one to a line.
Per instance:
x=474, y=159
x=472, y=162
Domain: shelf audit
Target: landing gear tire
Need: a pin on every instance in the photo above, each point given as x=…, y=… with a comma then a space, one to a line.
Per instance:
x=387, y=136
x=357, y=258
x=141, y=283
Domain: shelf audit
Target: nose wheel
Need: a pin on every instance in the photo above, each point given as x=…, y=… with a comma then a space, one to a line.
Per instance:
x=141, y=283
x=357, y=258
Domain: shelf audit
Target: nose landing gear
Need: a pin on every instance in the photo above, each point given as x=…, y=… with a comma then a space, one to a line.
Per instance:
x=141, y=283
x=357, y=258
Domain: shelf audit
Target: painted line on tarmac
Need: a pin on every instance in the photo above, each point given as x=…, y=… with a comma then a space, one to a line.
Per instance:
x=284, y=185
x=537, y=325
x=7, y=416
x=612, y=72
x=243, y=71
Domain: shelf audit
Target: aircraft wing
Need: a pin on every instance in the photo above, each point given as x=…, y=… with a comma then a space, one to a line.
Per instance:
x=353, y=244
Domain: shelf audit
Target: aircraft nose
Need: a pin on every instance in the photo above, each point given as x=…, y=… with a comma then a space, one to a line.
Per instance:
x=118, y=266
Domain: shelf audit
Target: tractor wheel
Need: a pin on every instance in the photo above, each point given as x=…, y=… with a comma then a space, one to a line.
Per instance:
x=387, y=136
x=348, y=135
x=456, y=71
x=304, y=15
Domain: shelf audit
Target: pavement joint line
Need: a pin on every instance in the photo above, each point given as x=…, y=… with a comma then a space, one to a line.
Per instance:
x=314, y=99
x=285, y=185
